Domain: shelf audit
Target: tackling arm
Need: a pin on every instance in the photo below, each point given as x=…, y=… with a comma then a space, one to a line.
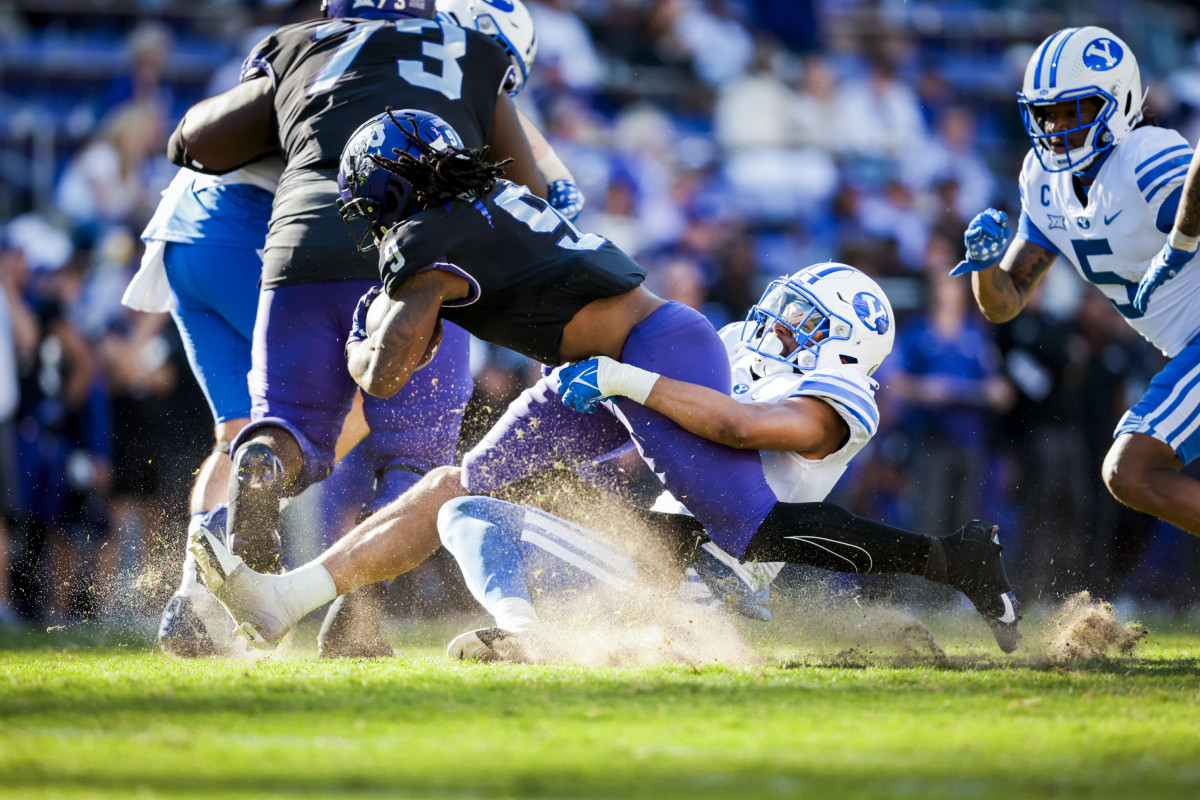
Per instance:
x=1003, y=290
x=806, y=425
x=383, y=362
x=230, y=130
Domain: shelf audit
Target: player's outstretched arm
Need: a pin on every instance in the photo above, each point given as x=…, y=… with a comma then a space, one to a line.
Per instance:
x=806, y=425
x=509, y=140
x=562, y=191
x=384, y=361
x=227, y=131
x=1182, y=243
x=1002, y=277
x=1003, y=290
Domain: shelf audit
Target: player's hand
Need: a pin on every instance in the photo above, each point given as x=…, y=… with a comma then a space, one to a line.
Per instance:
x=1164, y=266
x=565, y=197
x=986, y=239
x=579, y=385
x=358, y=324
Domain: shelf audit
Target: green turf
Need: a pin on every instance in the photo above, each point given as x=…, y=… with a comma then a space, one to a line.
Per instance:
x=83, y=715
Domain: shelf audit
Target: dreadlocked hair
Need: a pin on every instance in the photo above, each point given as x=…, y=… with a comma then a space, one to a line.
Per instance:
x=440, y=175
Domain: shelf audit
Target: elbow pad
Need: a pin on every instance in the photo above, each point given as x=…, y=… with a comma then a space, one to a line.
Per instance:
x=566, y=198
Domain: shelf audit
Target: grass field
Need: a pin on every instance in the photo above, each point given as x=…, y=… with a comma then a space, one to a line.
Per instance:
x=84, y=714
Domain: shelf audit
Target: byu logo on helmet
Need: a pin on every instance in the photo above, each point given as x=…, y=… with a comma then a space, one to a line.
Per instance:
x=1102, y=55
x=741, y=388
x=503, y=5
x=872, y=312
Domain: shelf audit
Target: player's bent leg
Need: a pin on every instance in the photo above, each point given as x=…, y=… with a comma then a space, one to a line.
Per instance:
x=1144, y=473
x=265, y=607
x=829, y=537
x=396, y=538
x=272, y=460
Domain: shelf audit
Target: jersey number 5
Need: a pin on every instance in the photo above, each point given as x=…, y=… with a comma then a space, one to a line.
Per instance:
x=452, y=47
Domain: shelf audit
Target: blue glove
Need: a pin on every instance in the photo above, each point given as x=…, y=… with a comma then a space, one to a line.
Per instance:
x=1163, y=267
x=566, y=198
x=579, y=385
x=727, y=587
x=986, y=239
x=358, y=324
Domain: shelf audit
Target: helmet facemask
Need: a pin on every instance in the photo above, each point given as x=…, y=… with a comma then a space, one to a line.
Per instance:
x=1099, y=138
x=803, y=316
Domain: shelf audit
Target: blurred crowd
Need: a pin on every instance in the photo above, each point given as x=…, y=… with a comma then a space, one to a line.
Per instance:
x=720, y=142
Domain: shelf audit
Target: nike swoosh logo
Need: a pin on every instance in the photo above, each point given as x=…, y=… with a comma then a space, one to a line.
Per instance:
x=1108, y=220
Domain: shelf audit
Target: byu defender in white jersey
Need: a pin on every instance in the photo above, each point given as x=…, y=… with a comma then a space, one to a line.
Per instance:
x=1101, y=187
x=509, y=554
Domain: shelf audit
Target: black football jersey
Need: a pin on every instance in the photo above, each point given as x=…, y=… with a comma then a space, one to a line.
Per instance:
x=530, y=269
x=332, y=75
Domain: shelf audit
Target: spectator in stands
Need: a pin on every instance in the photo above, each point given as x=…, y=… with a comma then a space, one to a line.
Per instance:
x=950, y=379
x=18, y=333
x=107, y=182
x=143, y=81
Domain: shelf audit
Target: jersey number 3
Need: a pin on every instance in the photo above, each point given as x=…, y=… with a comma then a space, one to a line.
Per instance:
x=452, y=47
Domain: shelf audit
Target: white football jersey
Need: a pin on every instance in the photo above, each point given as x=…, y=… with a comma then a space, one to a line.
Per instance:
x=794, y=478
x=1112, y=239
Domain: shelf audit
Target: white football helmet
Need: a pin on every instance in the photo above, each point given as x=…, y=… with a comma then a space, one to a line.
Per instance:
x=837, y=314
x=1073, y=64
x=506, y=21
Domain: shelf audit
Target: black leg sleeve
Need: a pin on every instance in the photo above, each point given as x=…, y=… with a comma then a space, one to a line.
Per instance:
x=830, y=537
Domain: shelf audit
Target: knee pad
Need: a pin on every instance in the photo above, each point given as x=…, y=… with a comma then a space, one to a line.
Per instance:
x=316, y=464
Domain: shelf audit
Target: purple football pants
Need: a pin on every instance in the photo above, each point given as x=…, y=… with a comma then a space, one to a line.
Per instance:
x=299, y=373
x=723, y=487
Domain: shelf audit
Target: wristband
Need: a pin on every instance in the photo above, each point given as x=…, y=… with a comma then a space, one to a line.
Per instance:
x=613, y=377
x=1178, y=241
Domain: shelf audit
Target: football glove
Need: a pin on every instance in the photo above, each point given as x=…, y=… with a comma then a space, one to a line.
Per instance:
x=585, y=384
x=1164, y=266
x=986, y=239
x=358, y=323
x=566, y=198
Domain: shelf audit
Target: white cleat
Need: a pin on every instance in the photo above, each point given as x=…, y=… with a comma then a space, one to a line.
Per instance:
x=250, y=597
x=485, y=644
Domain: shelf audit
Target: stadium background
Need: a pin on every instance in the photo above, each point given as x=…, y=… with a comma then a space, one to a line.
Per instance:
x=721, y=143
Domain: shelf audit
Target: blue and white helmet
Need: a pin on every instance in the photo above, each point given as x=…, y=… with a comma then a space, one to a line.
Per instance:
x=1074, y=64
x=372, y=199
x=377, y=9
x=838, y=315
x=506, y=21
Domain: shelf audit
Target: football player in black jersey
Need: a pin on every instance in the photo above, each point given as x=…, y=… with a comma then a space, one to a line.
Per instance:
x=304, y=89
x=458, y=243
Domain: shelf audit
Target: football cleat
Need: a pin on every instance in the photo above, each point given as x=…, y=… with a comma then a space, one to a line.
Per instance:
x=352, y=626
x=249, y=597
x=486, y=644
x=195, y=625
x=973, y=566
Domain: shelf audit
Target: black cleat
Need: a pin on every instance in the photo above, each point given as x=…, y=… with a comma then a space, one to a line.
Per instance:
x=181, y=632
x=261, y=552
x=352, y=626
x=971, y=563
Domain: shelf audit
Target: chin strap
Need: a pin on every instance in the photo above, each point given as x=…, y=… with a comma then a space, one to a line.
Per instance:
x=762, y=366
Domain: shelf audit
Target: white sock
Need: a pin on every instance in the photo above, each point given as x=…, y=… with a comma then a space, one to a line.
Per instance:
x=190, y=580
x=305, y=589
x=514, y=614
